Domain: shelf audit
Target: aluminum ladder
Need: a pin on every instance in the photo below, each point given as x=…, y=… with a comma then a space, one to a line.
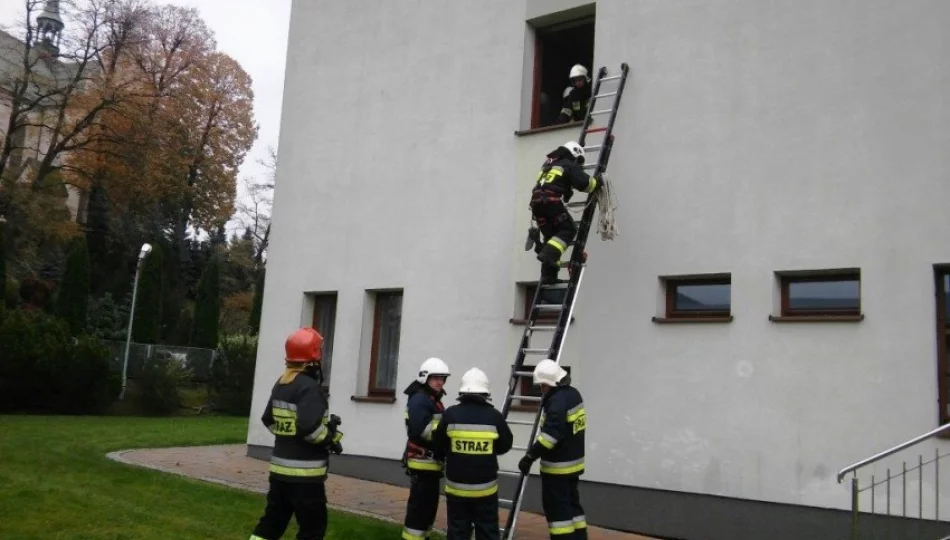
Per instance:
x=576, y=265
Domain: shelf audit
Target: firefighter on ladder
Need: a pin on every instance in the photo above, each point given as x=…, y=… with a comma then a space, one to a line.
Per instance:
x=560, y=175
x=470, y=437
x=560, y=447
x=423, y=412
x=305, y=434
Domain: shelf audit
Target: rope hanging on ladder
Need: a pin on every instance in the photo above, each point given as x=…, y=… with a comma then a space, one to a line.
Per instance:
x=607, y=220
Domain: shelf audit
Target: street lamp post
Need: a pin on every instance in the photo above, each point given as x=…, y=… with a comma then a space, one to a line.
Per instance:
x=146, y=249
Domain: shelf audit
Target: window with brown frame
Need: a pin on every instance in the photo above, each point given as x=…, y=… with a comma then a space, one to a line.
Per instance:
x=527, y=292
x=697, y=298
x=384, y=354
x=324, y=321
x=526, y=387
x=561, y=40
x=813, y=295
x=942, y=294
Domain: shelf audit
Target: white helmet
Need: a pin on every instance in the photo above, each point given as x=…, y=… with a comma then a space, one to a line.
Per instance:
x=548, y=372
x=575, y=149
x=579, y=71
x=432, y=366
x=474, y=381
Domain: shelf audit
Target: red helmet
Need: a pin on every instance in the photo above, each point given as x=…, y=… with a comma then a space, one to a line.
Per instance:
x=304, y=346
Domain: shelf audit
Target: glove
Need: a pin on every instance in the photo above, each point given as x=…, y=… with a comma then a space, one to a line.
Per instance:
x=525, y=464
x=534, y=238
x=601, y=181
x=336, y=448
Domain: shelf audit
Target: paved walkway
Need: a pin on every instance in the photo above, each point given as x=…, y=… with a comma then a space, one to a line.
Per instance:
x=229, y=465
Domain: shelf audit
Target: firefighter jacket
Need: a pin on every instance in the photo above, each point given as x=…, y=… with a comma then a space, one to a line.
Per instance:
x=559, y=177
x=560, y=441
x=298, y=414
x=424, y=410
x=574, y=108
x=470, y=436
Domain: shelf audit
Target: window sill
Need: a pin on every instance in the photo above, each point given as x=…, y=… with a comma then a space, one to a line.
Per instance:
x=545, y=129
x=542, y=322
x=689, y=320
x=374, y=399
x=816, y=318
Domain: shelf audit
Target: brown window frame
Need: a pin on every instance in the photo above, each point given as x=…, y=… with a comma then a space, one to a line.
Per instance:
x=372, y=389
x=818, y=276
x=583, y=16
x=672, y=315
x=942, y=331
x=321, y=326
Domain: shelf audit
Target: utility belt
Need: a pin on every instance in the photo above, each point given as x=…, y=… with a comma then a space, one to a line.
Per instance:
x=418, y=458
x=546, y=196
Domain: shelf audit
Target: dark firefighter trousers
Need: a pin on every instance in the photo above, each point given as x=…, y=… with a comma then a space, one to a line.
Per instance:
x=557, y=229
x=466, y=513
x=308, y=501
x=562, y=507
x=422, y=505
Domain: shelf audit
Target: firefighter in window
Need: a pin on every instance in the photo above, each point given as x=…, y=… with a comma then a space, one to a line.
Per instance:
x=576, y=96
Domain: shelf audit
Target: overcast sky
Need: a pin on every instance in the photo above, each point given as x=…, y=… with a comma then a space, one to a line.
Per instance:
x=254, y=32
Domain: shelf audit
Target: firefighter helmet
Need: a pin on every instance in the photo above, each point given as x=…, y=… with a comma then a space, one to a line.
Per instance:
x=579, y=71
x=432, y=366
x=575, y=149
x=304, y=346
x=474, y=381
x=548, y=372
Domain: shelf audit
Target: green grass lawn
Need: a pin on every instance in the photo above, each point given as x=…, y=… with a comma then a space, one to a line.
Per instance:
x=57, y=484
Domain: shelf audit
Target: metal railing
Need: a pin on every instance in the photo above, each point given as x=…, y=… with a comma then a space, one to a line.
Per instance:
x=199, y=361
x=903, y=475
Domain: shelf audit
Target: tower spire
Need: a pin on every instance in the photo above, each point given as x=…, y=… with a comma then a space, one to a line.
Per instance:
x=49, y=26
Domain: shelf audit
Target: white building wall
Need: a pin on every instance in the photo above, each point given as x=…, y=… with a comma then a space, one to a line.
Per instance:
x=753, y=137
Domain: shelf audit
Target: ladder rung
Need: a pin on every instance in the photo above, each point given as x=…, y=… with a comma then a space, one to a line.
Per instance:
x=509, y=473
x=595, y=130
x=549, y=307
x=536, y=351
x=595, y=147
x=590, y=166
x=521, y=422
x=608, y=94
x=519, y=448
x=611, y=78
x=542, y=328
x=553, y=286
x=605, y=111
x=528, y=398
x=577, y=204
x=524, y=373
x=505, y=503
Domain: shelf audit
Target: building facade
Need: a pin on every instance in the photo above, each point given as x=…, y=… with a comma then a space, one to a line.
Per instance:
x=773, y=308
x=32, y=142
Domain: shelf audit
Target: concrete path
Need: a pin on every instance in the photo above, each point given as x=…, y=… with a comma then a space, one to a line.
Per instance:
x=229, y=465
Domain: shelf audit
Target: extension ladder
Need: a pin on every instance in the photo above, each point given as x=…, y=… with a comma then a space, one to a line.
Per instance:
x=576, y=265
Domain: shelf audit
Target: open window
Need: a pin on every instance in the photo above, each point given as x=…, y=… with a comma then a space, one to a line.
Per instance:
x=561, y=40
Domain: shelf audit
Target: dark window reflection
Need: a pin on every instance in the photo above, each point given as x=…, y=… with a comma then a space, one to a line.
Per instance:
x=814, y=295
x=706, y=297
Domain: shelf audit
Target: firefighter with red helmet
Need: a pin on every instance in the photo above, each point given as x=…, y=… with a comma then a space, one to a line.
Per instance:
x=305, y=433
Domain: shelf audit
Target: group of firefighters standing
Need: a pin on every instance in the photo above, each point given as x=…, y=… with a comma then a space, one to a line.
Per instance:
x=460, y=443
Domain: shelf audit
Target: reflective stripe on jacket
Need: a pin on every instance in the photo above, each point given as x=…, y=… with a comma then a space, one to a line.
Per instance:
x=297, y=414
x=560, y=440
x=470, y=437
